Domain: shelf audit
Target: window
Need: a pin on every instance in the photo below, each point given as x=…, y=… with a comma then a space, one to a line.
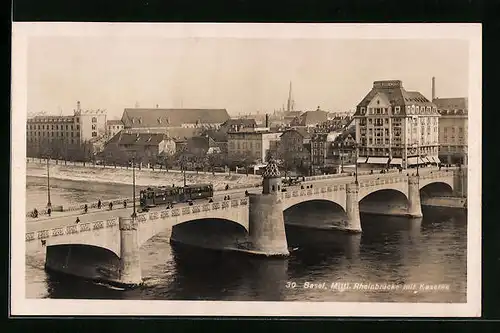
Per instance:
x=78, y=127
x=94, y=127
x=94, y=134
x=77, y=120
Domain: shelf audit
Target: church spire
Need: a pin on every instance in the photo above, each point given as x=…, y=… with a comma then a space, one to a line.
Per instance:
x=289, y=105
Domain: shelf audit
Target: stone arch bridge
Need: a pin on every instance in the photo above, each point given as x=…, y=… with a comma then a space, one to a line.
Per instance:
x=261, y=215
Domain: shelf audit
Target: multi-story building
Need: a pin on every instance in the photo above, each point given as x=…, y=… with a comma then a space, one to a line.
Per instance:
x=396, y=127
x=319, y=150
x=252, y=143
x=113, y=126
x=453, y=129
x=62, y=136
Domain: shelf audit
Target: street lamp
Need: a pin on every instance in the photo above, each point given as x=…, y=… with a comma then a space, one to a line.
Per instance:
x=418, y=156
x=341, y=144
x=356, y=172
x=49, y=204
x=133, y=185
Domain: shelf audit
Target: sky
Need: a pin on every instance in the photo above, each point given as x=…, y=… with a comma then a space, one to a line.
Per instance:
x=240, y=75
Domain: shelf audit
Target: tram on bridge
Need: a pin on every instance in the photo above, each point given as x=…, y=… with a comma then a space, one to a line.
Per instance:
x=163, y=195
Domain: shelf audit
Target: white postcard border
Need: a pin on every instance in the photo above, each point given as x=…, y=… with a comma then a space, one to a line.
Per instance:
x=20, y=305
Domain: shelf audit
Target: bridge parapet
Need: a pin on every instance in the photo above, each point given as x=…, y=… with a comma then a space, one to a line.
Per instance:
x=71, y=229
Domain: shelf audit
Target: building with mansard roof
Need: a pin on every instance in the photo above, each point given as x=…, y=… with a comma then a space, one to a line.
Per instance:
x=396, y=127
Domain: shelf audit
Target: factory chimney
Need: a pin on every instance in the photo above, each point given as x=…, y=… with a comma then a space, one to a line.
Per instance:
x=433, y=88
x=267, y=120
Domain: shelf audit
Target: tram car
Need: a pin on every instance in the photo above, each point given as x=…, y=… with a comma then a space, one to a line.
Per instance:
x=162, y=195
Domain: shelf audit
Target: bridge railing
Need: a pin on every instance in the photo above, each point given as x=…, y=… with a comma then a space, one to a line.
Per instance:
x=90, y=205
x=141, y=218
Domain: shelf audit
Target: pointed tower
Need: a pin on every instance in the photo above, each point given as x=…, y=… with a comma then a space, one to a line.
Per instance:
x=289, y=104
x=272, y=178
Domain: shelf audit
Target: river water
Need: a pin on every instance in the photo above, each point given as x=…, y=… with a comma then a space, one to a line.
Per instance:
x=424, y=258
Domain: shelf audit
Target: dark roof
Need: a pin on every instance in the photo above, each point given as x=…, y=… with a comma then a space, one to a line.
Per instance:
x=395, y=93
x=449, y=105
x=311, y=118
x=172, y=117
x=300, y=130
x=244, y=122
x=144, y=139
x=114, y=122
x=217, y=136
x=183, y=133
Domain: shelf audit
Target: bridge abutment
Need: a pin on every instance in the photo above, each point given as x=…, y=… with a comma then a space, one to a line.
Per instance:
x=130, y=261
x=414, y=206
x=352, y=208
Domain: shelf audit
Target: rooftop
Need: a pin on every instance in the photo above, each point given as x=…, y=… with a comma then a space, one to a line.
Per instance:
x=172, y=117
x=396, y=95
x=452, y=106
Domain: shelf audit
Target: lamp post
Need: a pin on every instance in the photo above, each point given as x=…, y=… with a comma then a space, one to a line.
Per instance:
x=418, y=157
x=341, y=157
x=134, y=214
x=49, y=204
x=356, y=172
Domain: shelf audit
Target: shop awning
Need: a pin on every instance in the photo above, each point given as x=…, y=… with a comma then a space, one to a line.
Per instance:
x=412, y=160
x=377, y=160
x=428, y=159
x=396, y=161
x=436, y=159
x=423, y=160
x=361, y=160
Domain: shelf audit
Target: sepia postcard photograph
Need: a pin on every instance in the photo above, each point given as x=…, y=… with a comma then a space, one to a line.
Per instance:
x=288, y=170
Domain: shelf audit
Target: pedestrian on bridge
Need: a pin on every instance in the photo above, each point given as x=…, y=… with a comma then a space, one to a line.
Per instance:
x=110, y=205
x=227, y=187
x=35, y=213
x=124, y=203
x=49, y=211
x=77, y=220
x=99, y=204
x=85, y=208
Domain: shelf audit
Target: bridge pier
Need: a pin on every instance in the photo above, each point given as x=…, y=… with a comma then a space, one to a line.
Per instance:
x=414, y=206
x=130, y=261
x=266, y=225
x=352, y=208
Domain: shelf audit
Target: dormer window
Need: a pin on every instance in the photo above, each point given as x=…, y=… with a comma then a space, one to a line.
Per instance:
x=397, y=109
x=94, y=119
x=159, y=120
x=363, y=110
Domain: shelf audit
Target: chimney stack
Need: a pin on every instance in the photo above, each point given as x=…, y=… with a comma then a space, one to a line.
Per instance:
x=433, y=88
x=267, y=120
x=78, y=105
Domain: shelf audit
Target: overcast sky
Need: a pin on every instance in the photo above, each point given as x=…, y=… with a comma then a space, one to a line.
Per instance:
x=241, y=75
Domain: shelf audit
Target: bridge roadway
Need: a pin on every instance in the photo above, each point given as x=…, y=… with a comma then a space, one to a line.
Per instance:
x=68, y=218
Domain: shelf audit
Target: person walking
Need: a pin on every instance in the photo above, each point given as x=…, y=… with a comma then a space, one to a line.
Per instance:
x=85, y=208
x=77, y=220
x=110, y=205
x=99, y=204
x=124, y=203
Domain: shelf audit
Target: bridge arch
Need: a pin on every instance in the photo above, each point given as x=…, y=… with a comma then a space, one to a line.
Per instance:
x=315, y=213
x=88, y=261
x=237, y=217
x=437, y=188
x=208, y=232
x=385, y=201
